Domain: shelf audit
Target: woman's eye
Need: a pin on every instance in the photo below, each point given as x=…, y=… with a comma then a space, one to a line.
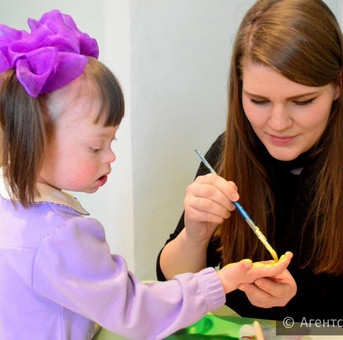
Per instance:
x=258, y=101
x=304, y=102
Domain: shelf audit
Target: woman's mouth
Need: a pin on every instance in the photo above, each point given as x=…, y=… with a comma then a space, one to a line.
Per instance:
x=282, y=141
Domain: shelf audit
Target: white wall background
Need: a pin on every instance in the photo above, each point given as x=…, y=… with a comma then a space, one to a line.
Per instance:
x=172, y=58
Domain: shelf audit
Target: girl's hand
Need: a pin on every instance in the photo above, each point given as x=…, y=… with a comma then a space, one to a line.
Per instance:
x=208, y=202
x=245, y=274
x=272, y=291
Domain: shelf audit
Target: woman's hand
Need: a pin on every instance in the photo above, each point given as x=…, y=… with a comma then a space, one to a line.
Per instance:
x=208, y=202
x=245, y=274
x=273, y=291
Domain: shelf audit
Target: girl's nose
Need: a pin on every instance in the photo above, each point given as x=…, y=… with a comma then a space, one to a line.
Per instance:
x=110, y=156
x=114, y=157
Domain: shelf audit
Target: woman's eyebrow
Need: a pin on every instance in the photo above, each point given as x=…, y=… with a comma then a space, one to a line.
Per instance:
x=307, y=94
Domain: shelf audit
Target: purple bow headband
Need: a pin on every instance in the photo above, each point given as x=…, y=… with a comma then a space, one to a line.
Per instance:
x=49, y=57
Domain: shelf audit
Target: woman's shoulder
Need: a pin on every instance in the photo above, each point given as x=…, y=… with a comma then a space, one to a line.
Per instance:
x=218, y=144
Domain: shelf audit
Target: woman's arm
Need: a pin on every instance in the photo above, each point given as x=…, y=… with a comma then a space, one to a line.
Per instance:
x=208, y=202
x=182, y=255
x=187, y=247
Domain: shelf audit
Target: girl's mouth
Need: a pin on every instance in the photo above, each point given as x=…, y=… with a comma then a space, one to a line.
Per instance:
x=102, y=180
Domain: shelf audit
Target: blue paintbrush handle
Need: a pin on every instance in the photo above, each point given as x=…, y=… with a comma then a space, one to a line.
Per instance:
x=245, y=215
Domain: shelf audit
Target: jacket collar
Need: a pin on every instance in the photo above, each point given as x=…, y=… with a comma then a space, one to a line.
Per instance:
x=47, y=194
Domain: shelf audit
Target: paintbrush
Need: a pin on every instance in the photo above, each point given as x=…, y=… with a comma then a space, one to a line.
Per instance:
x=246, y=217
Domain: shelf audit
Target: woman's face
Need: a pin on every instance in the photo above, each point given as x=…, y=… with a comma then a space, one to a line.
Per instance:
x=287, y=117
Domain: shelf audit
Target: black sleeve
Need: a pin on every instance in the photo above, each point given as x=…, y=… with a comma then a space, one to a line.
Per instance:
x=213, y=157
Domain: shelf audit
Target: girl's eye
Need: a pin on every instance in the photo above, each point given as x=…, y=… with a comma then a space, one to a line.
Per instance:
x=304, y=102
x=94, y=150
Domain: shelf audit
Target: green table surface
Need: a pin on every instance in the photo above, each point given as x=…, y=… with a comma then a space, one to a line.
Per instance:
x=226, y=324
x=221, y=324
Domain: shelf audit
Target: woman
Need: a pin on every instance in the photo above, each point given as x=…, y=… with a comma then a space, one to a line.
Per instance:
x=282, y=151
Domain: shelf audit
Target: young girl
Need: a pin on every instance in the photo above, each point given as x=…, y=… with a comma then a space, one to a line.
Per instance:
x=60, y=109
x=283, y=150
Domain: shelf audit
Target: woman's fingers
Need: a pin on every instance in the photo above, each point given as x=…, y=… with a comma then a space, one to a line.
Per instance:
x=209, y=196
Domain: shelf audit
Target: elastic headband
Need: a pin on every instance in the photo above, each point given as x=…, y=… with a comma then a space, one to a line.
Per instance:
x=49, y=57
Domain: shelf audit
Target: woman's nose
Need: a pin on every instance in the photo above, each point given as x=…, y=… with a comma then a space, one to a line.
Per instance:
x=280, y=118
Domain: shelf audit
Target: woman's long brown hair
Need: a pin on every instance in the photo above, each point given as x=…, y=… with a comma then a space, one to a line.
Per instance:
x=301, y=40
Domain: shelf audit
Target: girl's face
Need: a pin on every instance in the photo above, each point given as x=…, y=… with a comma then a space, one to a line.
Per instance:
x=287, y=117
x=79, y=156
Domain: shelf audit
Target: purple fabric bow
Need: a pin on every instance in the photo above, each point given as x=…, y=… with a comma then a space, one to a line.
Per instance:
x=49, y=57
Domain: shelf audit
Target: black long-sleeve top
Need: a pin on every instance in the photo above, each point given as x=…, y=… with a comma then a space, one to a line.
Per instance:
x=318, y=296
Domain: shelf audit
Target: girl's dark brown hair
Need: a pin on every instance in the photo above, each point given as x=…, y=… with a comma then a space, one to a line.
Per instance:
x=27, y=126
x=302, y=40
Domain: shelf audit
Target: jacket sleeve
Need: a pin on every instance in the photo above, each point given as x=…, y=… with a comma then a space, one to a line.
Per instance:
x=75, y=269
x=213, y=156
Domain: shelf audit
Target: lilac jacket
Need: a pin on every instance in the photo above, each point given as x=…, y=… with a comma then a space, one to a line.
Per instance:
x=58, y=279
